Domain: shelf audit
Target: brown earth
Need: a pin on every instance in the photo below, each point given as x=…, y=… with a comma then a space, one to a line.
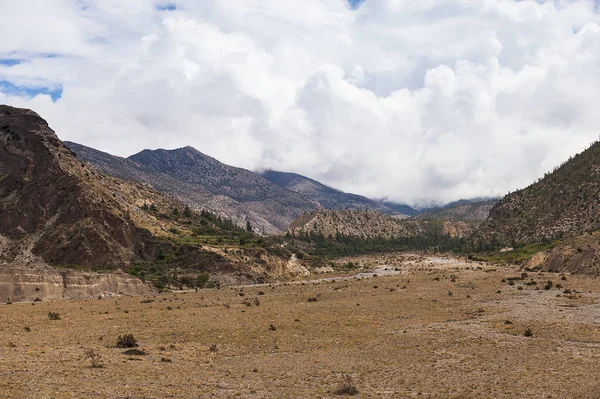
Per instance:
x=441, y=329
x=57, y=210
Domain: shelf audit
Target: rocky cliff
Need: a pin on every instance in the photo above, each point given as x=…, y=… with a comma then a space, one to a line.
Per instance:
x=21, y=283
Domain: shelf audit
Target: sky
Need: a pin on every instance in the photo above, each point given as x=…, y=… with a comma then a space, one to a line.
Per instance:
x=421, y=102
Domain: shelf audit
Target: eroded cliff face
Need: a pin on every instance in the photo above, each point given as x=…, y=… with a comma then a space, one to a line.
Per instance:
x=21, y=283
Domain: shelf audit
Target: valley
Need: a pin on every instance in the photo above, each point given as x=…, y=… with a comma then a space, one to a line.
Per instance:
x=120, y=280
x=441, y=328
x=299, y=199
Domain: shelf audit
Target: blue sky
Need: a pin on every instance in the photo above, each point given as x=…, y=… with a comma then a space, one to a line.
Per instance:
x=355, y=3
x=11, y=88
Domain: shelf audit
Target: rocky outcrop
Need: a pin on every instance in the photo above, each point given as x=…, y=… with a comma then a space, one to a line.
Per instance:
x=464, y=210
x=579, y=255
x=45, y=283
x=456, y=229
x=349, y=223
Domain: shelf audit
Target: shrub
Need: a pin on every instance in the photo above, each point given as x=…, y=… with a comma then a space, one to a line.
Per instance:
x=54, y=315
x=94, y=357
x=126, y=341
x=134, y=352
x=528, y=332
x=347, y=387
x=202, y=279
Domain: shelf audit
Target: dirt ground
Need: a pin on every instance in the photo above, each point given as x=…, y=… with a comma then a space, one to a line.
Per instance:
x=440, y=329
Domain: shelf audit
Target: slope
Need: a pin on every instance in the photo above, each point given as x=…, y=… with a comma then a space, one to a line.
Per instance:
x=53, y=207
x=202, y=182
x=465, y=210
x=57, y=210
x=331, y=198
x=563, y=203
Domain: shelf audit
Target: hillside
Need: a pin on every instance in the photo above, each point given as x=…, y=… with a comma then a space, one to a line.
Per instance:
x=331, y=198
x=330, y=233
x=464, y=210
x=563, y=203
x=56, y=210
x=366, y=224
x=202, y=182
x=353, y=223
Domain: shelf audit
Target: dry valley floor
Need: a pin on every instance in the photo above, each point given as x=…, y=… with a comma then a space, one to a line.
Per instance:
x=441, y=328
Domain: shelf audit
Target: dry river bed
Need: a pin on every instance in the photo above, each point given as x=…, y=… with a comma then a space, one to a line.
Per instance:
x=434, y=328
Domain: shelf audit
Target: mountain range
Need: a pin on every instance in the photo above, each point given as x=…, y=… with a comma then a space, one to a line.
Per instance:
x=330, y=198
x=57, y=210
x=65, y=203
x=269, y=201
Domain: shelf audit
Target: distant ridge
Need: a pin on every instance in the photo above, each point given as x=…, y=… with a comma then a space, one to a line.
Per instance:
x=331, y=198
x=466, y=210
x=270, y=202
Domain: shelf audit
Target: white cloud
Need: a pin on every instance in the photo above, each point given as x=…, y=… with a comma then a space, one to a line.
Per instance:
x=417, y=101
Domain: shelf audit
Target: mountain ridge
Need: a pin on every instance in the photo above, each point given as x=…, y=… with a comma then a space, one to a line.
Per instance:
x=329, y=197
x=202, y=182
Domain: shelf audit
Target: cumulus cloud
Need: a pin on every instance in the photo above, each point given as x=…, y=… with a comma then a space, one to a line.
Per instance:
x=416, y=101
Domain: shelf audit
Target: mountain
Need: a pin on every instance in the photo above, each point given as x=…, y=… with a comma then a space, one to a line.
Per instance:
x=57, y=210
x=465, y=210
x=54, y=208
x=269, y=201
x=559, y=214
x=400, y=208
x=563, y=203
x=331, y=198
x=202, y=182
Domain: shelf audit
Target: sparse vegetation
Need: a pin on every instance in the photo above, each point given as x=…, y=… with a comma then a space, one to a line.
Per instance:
x=347, y=386
x=94, y=357
x=54, y=316
x=134, y=352
x=126, y=341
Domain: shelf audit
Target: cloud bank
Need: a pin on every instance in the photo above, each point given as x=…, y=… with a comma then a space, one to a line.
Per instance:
x=420, y=102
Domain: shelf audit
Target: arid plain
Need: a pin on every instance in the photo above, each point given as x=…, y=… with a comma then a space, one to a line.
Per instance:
x=440, y=328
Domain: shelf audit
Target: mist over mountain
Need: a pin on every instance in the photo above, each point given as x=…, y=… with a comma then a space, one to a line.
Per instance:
x=331, y=198
x=269, y=201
